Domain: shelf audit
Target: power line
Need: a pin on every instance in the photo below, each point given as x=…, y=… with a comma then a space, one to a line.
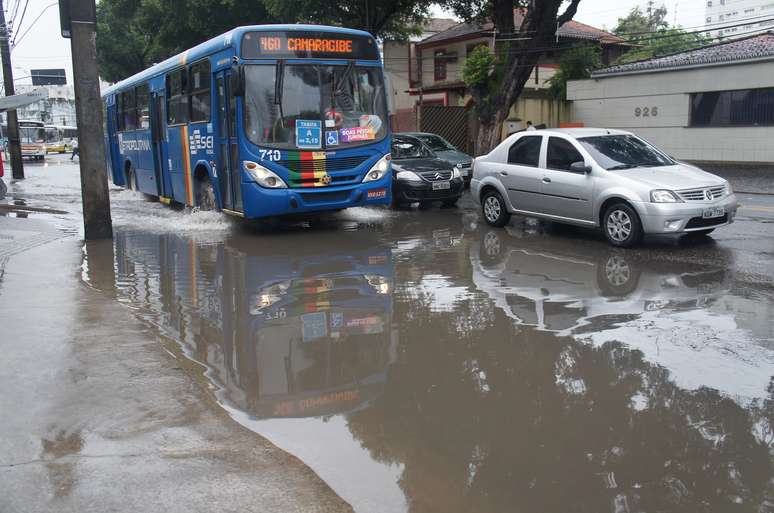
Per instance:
x=24, y=11
x=17, y=41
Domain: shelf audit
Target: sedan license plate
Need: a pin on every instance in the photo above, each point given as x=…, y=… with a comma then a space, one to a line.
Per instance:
x=437, y=186
x=711, y=213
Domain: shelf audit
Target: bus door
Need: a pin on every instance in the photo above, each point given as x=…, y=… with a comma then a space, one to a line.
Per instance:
x=158, y=146
x=229, y=178
x=114, y=152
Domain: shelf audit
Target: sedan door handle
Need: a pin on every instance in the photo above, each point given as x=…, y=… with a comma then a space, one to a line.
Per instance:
x=546, y=180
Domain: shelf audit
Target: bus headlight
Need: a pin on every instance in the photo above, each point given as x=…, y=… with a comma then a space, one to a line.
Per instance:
x=379, y=169
x=380, y=284
x=263, y=176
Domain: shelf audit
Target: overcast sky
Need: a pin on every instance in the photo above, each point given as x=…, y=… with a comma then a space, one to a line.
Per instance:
x=43, y=47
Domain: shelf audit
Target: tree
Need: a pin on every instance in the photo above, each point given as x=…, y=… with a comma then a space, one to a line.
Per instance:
x=392, y=19
x=498, y=81
x=134, y=34
x=653, y=36
x=574, y=64
x=637, y=22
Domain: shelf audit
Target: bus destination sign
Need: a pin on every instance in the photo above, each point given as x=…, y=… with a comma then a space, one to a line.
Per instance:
x=307, y=45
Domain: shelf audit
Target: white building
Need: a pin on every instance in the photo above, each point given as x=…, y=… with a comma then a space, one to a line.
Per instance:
x=738, y=17
x=714, y=104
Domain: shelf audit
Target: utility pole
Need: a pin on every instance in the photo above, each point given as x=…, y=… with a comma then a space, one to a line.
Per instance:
x=78, y=19
x=14, y=149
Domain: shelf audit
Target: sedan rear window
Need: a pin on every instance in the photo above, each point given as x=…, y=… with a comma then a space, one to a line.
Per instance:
x=623, y=152
x=526, y=151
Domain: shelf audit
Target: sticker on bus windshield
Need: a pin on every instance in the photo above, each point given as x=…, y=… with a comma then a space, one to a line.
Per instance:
x=363, y=133
x=331, y=138
x=309, y=134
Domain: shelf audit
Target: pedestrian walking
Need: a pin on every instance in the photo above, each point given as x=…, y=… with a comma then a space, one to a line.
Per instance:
x=74, y=144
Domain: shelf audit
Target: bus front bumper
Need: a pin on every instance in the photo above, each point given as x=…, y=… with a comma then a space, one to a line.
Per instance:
x=262, y=202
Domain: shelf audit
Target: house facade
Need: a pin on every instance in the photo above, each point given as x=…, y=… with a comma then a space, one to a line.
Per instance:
x=435, y=69
x=712, y=105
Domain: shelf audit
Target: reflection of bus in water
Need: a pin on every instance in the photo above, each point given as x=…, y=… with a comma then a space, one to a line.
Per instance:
x=32, y=136
x=59, y=138
x=294, y=333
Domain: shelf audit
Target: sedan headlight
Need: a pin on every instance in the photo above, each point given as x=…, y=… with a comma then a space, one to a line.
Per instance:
x=664, y=196
x=379, y=169
x=729, y=189
x=456, y=172
x=263, y=176
x=408, y=176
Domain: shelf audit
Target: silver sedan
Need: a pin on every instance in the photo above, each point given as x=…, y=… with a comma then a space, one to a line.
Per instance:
x=599, y=178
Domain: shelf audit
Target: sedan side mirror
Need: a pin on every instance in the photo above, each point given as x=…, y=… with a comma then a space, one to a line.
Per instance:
x=580, y=167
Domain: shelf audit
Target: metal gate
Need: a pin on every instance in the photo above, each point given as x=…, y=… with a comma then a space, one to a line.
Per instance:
x=455, y=124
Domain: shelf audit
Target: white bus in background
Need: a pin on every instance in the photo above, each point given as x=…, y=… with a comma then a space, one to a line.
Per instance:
x=32, y=135
x=59, y=138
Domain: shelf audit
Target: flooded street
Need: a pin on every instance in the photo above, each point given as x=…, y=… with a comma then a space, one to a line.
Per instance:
x=420, y=361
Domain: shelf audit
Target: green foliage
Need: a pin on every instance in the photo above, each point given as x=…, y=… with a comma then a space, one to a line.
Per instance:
x=134, y=34
x=664, y=42
x=479, y=66
x=637, y=21
x=389, y=19
x=653, y=35
x=574, y=64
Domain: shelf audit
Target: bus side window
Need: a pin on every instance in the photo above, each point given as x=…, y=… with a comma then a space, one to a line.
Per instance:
x=127, y=116
x=200, y=91
x=177, y=98
x=142, y=115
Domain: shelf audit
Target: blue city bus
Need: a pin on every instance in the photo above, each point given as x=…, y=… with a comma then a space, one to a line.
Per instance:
x=260, y=121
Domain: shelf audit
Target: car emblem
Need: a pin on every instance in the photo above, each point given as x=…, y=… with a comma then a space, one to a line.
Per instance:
x=438, y=176
x=708, y=195
x=326, y=179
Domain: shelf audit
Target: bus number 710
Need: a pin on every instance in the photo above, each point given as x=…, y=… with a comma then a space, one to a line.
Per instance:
x=271, y=155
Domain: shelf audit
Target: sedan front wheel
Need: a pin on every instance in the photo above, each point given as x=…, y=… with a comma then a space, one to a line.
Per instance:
x=622, y=226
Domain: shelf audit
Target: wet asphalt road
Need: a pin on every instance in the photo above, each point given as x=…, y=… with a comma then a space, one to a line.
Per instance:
x=420, y=361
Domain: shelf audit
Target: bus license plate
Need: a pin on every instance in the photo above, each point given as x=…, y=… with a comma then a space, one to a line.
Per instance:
x=437, y=186
x=711, y=213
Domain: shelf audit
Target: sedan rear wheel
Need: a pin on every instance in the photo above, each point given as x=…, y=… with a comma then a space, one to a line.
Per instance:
x=494, y=209
x=622, y=226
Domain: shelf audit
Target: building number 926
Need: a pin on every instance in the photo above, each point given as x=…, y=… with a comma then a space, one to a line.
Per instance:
x=646, y=112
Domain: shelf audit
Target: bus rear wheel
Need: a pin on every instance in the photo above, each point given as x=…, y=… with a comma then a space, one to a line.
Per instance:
x=205, y=197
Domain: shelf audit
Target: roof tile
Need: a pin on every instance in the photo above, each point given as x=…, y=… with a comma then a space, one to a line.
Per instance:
x=751, y=47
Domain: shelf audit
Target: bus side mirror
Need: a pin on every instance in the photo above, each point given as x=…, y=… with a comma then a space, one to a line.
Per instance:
x=237, y=80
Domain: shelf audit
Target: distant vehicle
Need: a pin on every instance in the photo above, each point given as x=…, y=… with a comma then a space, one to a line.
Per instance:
x=599, y=178
x=58, y=138
x=445, y=150
x=420, y=176
x=32, y=136
x=260, y=121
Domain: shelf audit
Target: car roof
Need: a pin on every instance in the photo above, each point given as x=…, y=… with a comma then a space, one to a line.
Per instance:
x=418, y=134
x=579, y=132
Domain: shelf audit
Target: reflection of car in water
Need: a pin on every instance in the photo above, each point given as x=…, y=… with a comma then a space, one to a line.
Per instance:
x=302, y=329
x=559, y=285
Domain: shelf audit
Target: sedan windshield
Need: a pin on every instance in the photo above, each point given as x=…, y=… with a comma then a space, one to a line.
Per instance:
x=343, y=105
x=623, y=152
x=436, y=143
x=403, y=148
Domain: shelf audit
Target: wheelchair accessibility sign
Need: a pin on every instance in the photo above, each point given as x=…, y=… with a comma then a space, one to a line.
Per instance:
x=331, y=138
x=308, y=134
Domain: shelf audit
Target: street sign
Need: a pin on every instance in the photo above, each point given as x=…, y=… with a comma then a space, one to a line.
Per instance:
x=20, y=100
x=309, y=134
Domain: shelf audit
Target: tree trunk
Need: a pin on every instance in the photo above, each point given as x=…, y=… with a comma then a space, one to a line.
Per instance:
x=488, y=136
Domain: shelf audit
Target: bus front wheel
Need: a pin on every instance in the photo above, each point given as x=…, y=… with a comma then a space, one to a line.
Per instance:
x=206, y=196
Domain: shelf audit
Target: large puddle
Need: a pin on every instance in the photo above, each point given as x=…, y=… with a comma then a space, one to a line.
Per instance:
x=420, y=363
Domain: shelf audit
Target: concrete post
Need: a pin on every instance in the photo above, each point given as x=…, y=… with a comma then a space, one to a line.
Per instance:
x=14, y=147
x=88, y=110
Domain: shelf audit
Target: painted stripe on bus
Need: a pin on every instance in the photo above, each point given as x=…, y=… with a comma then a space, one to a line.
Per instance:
x=186, y=165
x=308, y=178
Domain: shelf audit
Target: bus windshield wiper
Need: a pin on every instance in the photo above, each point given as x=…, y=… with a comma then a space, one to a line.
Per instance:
x=279, y=81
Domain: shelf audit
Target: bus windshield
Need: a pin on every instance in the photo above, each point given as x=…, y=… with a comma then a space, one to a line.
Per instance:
x=347, y=102
x=29, y=134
